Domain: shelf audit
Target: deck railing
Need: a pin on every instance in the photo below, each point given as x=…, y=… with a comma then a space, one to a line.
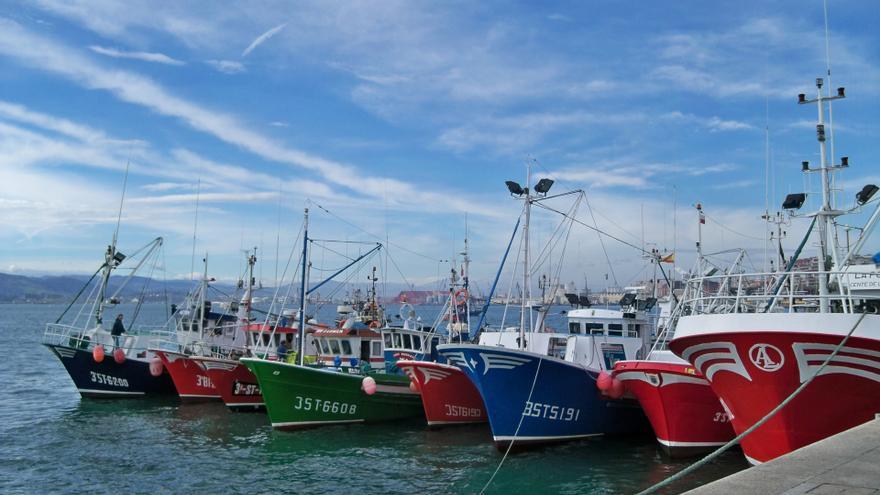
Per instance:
x=796, y=292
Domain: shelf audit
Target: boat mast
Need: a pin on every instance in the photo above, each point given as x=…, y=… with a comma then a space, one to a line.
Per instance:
x=465, y=276
x=526, y=292
x=202, y=297
x=111, y=261
x=826, y=213
x=302, y=291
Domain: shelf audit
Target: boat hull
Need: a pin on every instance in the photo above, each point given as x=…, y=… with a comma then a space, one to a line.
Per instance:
x=299, y=397
x=109, y=379
x=190, y=379
x=754, y=362
x=448, y=396
x=533, y=399
x=684, y=412
x=237, y=386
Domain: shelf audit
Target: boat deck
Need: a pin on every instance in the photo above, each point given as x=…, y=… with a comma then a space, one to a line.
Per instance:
x=843, y=464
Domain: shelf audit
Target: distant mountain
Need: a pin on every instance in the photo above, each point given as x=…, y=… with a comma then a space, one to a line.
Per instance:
x=61, y=288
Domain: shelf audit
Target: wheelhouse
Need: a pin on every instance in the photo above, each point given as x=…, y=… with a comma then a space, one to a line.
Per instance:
x=351, y=347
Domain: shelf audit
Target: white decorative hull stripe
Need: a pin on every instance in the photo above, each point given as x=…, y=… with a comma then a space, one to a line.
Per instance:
x=199, y=396
x=724, y=351
x=665, y=378
x=245, y=404
x=107, y=392
x=309, y=423
x=501, y=362
x=504, y=438
x=458, y=359
x=65, y=352
x=672, y=378
x=670, y=443
x=218, y=365
x=438, y=423
x=435, y=374
x=809, y=364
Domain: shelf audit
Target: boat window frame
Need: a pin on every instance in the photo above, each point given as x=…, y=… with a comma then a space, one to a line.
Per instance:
x=615, y=329
x=575, y=327
x=376, y=348
x=345, y=343
x=407, y=341
x=335, y=349
x=594, y=328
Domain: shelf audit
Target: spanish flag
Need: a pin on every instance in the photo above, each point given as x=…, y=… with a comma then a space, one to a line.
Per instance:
x=669, y=258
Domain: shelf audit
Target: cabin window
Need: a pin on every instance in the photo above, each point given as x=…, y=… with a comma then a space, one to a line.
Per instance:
x=397, y=342
x=346, y=347
x=407, y=341
x=595, y=328
x=387, y=340
x=556, y=348
x=377, y=348
x=317, y=344
x=574, y=327
x=334, y=346
x=615, y=329
x=326, y=345
x=420, y=343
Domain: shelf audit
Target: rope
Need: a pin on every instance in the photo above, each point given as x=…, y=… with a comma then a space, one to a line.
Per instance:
x=693, y=467
x=515, y=433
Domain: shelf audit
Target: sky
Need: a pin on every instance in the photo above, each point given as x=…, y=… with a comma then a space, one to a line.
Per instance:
x=404, y=119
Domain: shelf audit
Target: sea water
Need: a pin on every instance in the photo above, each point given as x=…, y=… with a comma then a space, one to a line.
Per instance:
x=53, y=441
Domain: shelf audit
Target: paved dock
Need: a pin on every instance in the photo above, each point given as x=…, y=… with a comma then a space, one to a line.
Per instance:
x=845, y=464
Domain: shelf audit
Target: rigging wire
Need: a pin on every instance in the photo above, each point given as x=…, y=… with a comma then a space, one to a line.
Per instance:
x=601, y=241
x=715, y=220
x=403, y=248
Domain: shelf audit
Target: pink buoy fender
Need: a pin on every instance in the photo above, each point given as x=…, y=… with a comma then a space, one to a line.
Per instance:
x=98, y=353
x=617, y=389
x=603, y=382
x=369, y=385
x=119, y=355
x=155, y=366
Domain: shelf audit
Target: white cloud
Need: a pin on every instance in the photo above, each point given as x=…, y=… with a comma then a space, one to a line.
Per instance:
x=262, y=39
x=130, y=87
x=166, y=186
x=227, y=66
x=207, y=197
x=158, y=58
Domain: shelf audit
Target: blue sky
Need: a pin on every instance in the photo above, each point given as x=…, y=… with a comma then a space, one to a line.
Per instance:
x=402, y=117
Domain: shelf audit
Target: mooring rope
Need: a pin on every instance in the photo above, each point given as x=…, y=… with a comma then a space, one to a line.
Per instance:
x=712, y=456
x=516, y=432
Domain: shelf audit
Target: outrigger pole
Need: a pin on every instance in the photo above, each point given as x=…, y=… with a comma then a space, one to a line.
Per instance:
x=497, y=276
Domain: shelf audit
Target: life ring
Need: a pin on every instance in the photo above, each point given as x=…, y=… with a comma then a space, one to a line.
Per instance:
x=406, y=311
x=460, y=297
x=374, y=324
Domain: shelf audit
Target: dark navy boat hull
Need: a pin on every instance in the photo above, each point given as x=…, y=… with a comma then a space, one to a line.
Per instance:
x=109, y=379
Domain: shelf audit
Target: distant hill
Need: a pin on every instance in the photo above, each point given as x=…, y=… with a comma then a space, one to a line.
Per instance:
x=61, y=288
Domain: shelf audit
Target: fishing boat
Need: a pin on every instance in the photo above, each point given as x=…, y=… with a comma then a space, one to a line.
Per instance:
x=538, y=385
x=794, y=353
x=298, y=395
x=448, y=396
x=102, y=365
x=201, y=327
x=684, y=412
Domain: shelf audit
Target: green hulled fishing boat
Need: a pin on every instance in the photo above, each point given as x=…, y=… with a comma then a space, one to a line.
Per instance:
x=303, y=396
